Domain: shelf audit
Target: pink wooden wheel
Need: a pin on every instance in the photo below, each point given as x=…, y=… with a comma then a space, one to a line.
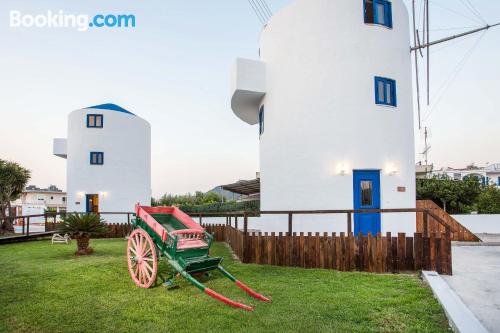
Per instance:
x=142, y=258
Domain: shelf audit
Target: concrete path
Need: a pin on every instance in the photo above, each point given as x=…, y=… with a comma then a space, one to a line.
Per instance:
x=476, y=280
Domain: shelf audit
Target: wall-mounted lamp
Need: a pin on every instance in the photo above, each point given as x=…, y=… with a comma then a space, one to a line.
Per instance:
x=343, y=169
x=104, y=194
x=80, y=194
x=391, y=170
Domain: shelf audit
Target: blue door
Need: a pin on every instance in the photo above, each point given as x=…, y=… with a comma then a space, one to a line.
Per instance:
x=92, y=205
x=366, y=196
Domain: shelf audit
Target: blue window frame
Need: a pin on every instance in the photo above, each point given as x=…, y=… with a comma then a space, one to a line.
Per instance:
x=95, y=121
x=261, y=120
x=378, y=12
x=96, y=158
x=498, y=181
x=385, y=91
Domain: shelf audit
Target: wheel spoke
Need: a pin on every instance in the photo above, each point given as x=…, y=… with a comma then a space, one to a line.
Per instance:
x=140, y=249
x=147, y=253
x=134, y=243
x=146, y=265
x=140, y=273
x=146, y=274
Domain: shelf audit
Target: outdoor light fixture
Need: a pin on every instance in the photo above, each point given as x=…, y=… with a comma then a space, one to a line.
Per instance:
x=81, y=194
x=392, y=170
x=343, y=169
x=104, y=194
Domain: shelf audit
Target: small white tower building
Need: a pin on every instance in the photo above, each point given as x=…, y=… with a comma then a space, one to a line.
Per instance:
x=332, y=93
x=108, y=151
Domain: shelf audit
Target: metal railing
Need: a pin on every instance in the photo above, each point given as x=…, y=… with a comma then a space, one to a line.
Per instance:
x=26, y=221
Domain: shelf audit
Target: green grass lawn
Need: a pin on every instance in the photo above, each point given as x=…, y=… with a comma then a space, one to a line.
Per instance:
x=45, y=288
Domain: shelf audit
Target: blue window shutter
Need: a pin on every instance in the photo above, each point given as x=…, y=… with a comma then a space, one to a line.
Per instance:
x=393, y=93
x=261, y=120
x=384, y=18
x=388, y=14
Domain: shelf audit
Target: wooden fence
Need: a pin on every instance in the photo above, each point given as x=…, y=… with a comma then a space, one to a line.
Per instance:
x=377, y=254
x=459, y=233
x=115, y=230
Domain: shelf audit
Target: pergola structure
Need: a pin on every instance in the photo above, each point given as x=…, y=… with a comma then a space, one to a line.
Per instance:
x=245, y=187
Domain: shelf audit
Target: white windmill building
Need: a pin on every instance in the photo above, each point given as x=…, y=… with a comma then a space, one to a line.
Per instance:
x=108, y=152
x=332, y=92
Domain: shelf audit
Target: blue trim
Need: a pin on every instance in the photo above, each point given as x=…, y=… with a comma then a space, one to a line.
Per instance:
x=112, y=107
x=498, y=181
x=95, y=115
x=389, y=88
x=261, y=120
x=99, y=158
x=375, y=19
x=367, y=222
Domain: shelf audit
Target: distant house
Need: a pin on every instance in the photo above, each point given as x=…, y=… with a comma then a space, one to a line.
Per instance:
x=423, y=171
x=108, y=152
x=35, y=200
x=488, y=175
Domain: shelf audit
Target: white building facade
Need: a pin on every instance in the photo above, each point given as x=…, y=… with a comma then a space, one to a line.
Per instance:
x=108, y=151
x=332, y=94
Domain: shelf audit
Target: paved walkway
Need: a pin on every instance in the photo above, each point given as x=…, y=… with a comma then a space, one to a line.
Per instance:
x=476, y=280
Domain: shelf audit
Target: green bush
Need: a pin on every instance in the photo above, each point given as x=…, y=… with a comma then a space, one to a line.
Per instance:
x=232, y=206
x=489, y=201
x=454, y=196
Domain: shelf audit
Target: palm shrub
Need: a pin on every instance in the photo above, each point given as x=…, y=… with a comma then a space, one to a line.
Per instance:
x=82, y=227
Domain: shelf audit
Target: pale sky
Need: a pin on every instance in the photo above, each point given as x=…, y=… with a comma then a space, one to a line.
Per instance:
x=173, y=70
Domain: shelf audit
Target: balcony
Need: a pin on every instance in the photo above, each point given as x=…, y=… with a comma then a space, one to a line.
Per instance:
x=60, y=148
x=248, y=87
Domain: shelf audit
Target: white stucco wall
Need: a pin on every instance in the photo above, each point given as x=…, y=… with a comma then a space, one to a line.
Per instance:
x=125, y=177
x=480, y=224
x=320, y=113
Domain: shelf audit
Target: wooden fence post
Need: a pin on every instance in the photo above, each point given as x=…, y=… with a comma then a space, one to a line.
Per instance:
x=290, y=224
x=349, y=223
x=236, y=222
x=245, y=223
x=28, y=227
x=426, y=223
x=45, y=217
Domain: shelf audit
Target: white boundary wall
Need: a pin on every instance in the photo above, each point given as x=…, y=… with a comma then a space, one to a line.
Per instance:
x=480, y=224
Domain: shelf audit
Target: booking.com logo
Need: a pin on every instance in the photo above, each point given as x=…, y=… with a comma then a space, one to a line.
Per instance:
x=62, y=20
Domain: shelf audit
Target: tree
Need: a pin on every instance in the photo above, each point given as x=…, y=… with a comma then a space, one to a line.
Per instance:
x=82, y=227
x=13, y=180
x=454, y=196
x=489, y=201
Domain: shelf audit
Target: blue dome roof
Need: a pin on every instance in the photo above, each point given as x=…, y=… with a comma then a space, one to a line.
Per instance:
x=112, y=107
